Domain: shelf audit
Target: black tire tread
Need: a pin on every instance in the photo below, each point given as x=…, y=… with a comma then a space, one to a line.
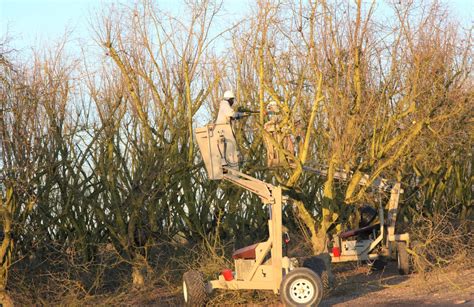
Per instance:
x=197, y=295
x=318, y=266
x=404, y=260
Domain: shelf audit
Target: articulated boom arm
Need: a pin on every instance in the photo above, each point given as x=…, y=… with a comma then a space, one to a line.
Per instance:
x=265, y=267
x=379, y=183
x=261, y=189
x=219, y=152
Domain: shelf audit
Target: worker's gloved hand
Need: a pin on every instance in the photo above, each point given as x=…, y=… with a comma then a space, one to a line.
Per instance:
x=240, y=115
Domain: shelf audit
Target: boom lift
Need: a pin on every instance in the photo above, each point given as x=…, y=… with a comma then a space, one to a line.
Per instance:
x=260, y=266
x=372, y=241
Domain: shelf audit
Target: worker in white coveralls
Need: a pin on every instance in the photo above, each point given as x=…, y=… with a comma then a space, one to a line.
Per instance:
x=279, y=131
x=226, y=113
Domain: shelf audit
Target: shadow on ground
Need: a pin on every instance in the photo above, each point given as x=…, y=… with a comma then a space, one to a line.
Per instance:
x=353, y=281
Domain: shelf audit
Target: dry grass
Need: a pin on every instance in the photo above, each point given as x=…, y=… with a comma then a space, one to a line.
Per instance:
x=441, y=240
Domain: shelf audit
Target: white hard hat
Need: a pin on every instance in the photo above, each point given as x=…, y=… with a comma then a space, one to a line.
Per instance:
x=272, y=103
x=273, y=106
x=228, y=95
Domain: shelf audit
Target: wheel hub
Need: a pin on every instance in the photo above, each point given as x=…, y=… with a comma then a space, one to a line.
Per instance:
x=302, y=291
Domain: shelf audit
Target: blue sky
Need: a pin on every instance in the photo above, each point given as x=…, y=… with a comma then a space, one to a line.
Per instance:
x=37, y=22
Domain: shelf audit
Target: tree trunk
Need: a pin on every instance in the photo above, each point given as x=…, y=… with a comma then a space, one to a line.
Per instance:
x=7, y=242
x=5, y=299
x=5, y=255
x=138, y=276
x=139, y=271
x=319, y=241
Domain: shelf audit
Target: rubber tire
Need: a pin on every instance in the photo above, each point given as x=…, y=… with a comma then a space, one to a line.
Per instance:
x=195, y=288
x=308, y=275
x=318, y=266
x=403, y=258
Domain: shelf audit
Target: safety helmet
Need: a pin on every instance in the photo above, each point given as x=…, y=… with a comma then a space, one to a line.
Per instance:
x=272, y=106
x=228, y=95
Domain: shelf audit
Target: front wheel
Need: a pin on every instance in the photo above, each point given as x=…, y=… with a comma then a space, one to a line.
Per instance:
x=194, y=289
x=301, y=287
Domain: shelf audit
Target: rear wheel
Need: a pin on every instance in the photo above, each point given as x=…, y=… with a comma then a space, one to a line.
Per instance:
x=301, y=287
x=318, y=266
x=403, y=258
x=194, y=289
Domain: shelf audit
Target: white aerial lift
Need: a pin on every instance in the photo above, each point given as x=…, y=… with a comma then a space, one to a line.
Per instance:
x=260, y=266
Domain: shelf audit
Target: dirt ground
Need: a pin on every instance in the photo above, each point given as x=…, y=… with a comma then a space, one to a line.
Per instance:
x=360, y=286
x=355, y=286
